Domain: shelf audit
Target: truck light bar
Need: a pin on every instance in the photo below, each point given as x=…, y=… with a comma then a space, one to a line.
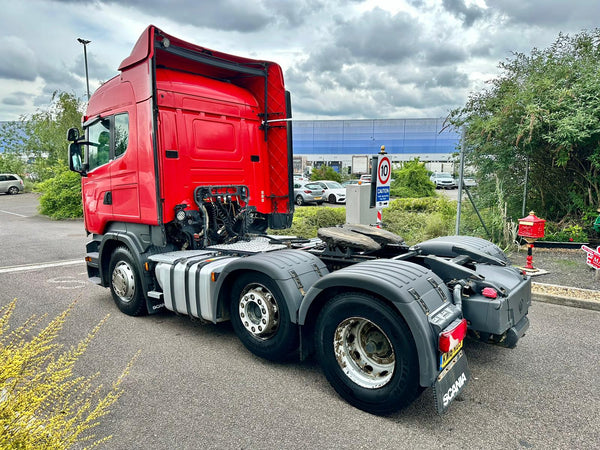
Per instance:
x=449, y=339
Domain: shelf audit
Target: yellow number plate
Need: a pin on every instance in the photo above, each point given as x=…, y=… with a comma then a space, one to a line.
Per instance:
x=445, y=358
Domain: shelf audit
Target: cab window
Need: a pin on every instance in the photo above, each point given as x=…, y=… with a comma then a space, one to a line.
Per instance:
x=109, y=138
x=121, y=134
x=99, y=147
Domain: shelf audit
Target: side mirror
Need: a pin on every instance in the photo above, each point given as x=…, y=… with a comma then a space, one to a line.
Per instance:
x=75, y=162
x=72, y=134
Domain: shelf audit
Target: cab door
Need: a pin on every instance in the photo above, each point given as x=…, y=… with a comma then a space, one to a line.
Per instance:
x=123, y=171
x=96, y=185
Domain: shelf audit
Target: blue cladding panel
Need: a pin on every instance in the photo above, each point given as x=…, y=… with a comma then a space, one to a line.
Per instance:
x=367, y=136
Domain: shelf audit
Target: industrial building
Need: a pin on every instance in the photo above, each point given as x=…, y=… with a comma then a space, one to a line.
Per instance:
x=337, y=143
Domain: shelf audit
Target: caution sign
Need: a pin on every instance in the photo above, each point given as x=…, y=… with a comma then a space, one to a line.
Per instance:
x=384, y=178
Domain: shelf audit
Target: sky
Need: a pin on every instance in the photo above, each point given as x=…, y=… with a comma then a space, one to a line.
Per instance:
x=342, y=59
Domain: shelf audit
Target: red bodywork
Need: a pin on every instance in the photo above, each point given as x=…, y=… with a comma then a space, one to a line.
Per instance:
x=195, y=118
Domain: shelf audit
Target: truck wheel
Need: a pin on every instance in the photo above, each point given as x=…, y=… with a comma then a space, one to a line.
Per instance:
x=261, y=319
x=299, y=200
x=125, y=284
x=367, y=353
x=332, y=199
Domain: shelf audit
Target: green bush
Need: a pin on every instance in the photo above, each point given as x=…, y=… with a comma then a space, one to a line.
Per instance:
x=412, y=181
x=61, y=196
x=308, y=219
x=572, y=233
x=419, y=219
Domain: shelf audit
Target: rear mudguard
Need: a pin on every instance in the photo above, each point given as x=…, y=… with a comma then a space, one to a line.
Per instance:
x=477, y=249
x=419, y=295
x=294, y=271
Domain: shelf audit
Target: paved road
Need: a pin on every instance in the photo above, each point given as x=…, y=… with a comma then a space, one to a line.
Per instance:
x=195, y=386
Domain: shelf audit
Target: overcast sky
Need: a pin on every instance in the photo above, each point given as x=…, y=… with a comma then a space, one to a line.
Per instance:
x=341, y=58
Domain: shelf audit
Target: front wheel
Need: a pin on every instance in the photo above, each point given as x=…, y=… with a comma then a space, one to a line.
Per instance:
x=331, y=198
x=125, y=284
x=367, y=353
x=261, y=319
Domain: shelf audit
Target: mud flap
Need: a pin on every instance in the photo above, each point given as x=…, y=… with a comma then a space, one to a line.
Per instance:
x=450, y=382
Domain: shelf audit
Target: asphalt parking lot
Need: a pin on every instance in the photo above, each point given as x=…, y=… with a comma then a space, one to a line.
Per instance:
x=195, y=386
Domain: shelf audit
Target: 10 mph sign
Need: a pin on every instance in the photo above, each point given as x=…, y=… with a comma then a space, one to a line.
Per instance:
x=384, y=177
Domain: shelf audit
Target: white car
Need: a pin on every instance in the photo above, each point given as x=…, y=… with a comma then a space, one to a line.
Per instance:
x=443, y=180
x=334, y=191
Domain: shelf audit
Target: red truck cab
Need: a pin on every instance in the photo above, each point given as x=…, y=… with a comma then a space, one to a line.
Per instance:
x=184, y=129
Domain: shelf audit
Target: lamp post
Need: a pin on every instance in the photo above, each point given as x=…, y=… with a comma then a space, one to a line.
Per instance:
x=87, y=81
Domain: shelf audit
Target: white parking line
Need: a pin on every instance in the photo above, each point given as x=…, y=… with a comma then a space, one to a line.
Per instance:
x=14, y=214
x=25, y=267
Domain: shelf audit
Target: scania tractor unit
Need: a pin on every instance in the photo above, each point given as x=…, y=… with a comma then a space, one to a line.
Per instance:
x=186, y=163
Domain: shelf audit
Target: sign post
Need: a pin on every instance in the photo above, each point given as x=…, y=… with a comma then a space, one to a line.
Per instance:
x=380, y=183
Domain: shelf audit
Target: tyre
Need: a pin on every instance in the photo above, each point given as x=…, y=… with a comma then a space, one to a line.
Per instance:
x=331, y=198
x=125, y=283
x=261, y=319
x=367, y=353
x=299, y=200
x=13, y=190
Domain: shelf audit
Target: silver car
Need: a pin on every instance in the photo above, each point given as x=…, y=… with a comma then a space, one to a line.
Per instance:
x=11, y=183
x=308, y=193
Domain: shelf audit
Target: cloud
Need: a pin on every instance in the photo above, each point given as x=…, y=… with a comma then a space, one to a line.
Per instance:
x=17, y=59
x=16, y=99
x=548, y=13
x=468, y=14
x=378, y=37
x=229, y=15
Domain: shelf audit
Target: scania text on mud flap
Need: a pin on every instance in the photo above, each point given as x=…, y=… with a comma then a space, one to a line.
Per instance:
x=186, y=160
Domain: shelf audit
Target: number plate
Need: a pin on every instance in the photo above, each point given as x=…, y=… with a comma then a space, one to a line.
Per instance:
x=318, y=198
x=451, y=381
x=445, y=358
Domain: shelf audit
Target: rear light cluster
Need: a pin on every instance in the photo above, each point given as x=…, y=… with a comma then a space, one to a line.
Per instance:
x=450, y=339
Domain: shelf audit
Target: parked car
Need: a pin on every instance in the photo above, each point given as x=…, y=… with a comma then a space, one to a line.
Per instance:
x=469, y=182
x=11, y=183
x=365, y=178
x=334, y=191
x=350, y=182
x=443, y=180
x=308, y=192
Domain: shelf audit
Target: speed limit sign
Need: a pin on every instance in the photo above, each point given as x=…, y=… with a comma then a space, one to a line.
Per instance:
x=384, y=171
x=384, y=177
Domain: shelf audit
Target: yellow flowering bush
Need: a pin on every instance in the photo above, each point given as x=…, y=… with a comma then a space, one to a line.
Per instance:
x=43, y=404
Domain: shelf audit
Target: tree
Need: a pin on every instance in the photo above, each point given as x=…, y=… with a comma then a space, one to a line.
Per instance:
x=41, y=136
x=412, y=181
x=543, y=111
x=11, y=163
x=325, y=173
